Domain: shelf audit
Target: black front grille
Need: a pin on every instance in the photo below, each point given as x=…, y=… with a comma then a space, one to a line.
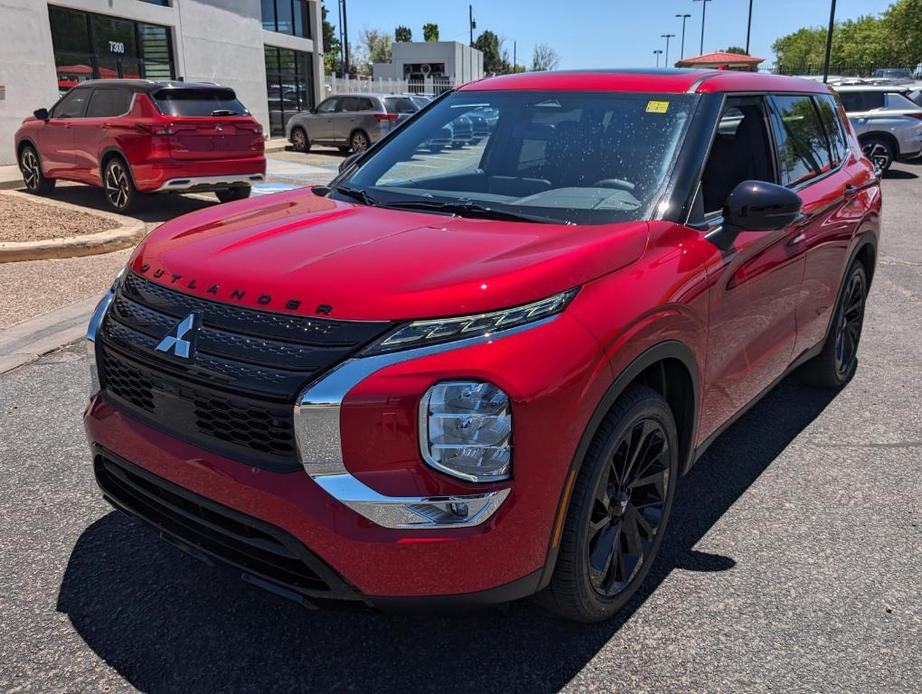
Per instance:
x=200, y=525
x=235, y=395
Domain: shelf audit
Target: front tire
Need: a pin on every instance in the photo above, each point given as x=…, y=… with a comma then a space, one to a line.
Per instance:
x=121, y=194
x=619, y=508
x=31, y=169
x=836, y=364
x=231, y=194
x=879, y=150
x=299, y=140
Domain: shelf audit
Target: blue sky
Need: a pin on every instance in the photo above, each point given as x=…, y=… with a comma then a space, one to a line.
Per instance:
x=605, y=33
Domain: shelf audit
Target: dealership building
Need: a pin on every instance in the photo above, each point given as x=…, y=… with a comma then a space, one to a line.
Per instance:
x=269, y=51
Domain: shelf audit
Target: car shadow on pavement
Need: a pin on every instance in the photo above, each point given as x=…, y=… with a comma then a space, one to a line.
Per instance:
x=150, y=208
x=166, y=622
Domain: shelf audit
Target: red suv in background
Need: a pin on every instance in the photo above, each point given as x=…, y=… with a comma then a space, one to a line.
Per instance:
x=138, y=136
x=479, y=374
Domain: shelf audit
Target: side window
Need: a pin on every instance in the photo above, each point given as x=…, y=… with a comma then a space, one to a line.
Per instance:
x=741, y=151
x=72, y=105
x=328, y=106
x=858, y=102
x=348, y=104
x=106, y=103
x=800, y=139
x=832, y=123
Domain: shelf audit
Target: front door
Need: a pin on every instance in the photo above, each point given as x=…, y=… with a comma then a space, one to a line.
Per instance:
x=754, y=280
x=320, y=124
x=56, y=139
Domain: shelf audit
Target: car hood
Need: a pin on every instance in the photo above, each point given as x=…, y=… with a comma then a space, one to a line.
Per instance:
x=303, y=253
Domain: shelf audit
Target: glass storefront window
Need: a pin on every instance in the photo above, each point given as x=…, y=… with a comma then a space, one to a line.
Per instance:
x=287, y=17
x=290, y=85
x=95, y=46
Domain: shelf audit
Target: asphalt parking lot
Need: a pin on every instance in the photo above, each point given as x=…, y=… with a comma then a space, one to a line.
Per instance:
x=792, y=561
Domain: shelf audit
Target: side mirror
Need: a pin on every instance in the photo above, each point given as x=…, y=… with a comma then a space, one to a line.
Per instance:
x=348, y=161
x=761, y=206
x=41, y=114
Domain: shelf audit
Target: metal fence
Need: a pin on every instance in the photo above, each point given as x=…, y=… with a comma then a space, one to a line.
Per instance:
x=840, y=70
x=430, y=86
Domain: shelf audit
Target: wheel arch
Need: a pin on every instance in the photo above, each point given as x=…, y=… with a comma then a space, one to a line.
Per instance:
x=26, y=142
x=668, y=367
x=107, y=155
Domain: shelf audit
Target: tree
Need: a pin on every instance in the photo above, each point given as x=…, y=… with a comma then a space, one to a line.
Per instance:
x=403, y=34
x=544, y=58
x=736, y=50
x=431, y=32
x=331, y=45
x=376, y=46
x=495, y=62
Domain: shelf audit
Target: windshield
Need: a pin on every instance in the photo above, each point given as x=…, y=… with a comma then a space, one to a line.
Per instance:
x=571, y=157
x=199, y=102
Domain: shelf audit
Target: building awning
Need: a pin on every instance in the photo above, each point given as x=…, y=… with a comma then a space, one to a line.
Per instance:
x=722, y=60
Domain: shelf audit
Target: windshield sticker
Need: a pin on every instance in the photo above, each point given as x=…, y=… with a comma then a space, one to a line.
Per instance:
x=657, y=106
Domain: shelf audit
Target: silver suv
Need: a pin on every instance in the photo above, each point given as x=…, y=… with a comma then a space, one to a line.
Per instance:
x=888, y=124
x=351, y=122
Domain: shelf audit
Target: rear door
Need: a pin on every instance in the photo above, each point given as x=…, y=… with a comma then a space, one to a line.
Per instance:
x=208, y=123
x=56, y=139
x=106, y=115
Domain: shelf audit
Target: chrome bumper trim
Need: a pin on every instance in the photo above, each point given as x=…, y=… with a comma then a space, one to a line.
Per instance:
x=319, y=439
x=180, y=184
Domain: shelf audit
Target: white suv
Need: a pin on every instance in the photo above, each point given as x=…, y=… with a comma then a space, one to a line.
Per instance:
x=887, y=122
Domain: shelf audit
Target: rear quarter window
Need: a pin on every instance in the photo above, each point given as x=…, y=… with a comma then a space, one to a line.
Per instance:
x=199, y=102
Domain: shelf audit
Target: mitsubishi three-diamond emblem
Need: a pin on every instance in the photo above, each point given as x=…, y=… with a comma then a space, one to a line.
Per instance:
x=176, y=341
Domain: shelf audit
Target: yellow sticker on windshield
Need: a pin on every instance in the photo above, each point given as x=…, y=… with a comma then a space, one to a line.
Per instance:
x=657, y=106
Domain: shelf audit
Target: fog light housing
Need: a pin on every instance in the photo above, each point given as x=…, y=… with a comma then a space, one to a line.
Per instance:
x=465, y=430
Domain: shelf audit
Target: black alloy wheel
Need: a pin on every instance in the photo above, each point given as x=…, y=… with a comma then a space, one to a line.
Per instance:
x=838, y=361
x=879, y=151
x=618, y=510
x=850, y=322
x=628, y=506
x=299, y=141
x=359, y=141
x=120, y=191
x=32, y=174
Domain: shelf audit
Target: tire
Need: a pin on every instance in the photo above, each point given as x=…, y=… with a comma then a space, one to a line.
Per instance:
x=358, y=141
x=457, y=145
x=615, y=525
x=300, y=142
x=435, y=149
x=231, y=194
x=879, y=150
x=836, y=364
x=118, y=186
x=31, y=169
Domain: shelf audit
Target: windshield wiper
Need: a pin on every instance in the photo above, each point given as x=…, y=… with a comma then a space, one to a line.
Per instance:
x=356, y=194
x=468, y=208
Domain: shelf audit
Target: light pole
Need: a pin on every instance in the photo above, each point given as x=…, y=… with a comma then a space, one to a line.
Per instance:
x=749, y=27
x=667, y=37
x=832, y=21
x=345, y=40
x=704, y=5
x=657, y=53
x=473, y=25
x=684, y=18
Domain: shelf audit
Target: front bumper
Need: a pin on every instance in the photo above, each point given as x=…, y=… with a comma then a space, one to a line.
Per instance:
x=341, y=509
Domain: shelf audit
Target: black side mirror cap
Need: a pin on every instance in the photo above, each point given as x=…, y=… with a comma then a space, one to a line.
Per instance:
x=762, y=206
x=41, y=113
x=348, y=161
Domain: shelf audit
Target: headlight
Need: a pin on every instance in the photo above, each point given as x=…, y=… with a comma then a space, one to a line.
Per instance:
x=465, y=430
x=422, y=333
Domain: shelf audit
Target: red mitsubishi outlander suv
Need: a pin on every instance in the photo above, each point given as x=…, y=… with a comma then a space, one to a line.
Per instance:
x=132, y=137
x=478, y=375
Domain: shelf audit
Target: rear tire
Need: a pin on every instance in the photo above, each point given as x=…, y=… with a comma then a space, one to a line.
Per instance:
x=359, y=141
x=299, y=140
x=231, y=194
x=618, y=511
x=118, y=185
x=879, y=150
x=31, y=169
x=836, y=364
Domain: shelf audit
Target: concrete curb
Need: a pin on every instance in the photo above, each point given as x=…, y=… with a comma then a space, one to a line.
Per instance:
x=27, y=341
x=128, y=233
x=12, y=184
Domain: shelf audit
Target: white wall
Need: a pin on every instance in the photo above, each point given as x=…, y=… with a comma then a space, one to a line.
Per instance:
x=26, y=69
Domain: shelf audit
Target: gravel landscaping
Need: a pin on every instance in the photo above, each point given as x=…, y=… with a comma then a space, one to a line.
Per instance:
x=22, y=219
